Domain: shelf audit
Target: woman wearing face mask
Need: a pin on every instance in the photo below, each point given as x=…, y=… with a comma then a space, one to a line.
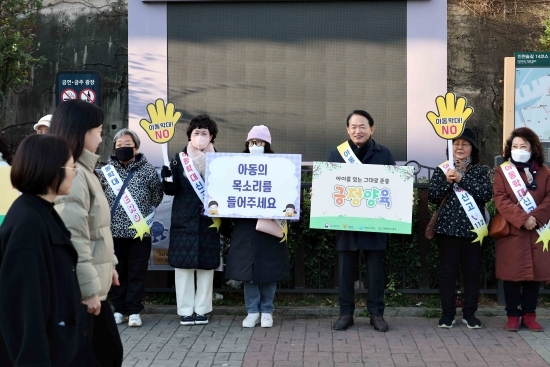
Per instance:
x=85, y=212
x=130, y=170
x=467, y=188
x=522, y=195
x=256, y=258
x=194, y=241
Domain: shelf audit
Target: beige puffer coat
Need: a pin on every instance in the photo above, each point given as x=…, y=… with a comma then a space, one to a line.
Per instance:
x=86, y=214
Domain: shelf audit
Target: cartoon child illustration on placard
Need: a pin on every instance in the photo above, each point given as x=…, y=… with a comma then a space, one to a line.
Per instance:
x=290, y=210
x=213, y=207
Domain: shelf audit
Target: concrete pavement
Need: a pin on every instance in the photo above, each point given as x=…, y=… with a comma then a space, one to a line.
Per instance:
x=310, y=341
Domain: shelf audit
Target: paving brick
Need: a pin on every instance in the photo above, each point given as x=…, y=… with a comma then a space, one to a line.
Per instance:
x=310, y=342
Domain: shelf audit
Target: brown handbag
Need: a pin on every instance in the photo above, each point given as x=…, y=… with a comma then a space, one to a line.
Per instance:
x=499, y=227
x=430, y=228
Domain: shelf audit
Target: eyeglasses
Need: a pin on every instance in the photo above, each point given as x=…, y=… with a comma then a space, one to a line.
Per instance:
x=258, y=143
x=463, y=145
x=75, y=169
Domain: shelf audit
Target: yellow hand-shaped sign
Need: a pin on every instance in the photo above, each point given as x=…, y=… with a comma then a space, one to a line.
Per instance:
x=453, y=113
x=162, y=126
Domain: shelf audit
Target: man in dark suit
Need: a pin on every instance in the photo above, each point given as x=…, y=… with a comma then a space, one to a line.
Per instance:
x=361, y=149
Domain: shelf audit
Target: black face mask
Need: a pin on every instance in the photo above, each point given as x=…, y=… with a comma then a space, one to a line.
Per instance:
x=124, y=154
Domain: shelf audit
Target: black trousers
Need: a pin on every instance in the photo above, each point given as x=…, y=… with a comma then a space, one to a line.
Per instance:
x=524, y=294
x=106, y=341
x=133, y=259
x=454, y=252
x=347, y=263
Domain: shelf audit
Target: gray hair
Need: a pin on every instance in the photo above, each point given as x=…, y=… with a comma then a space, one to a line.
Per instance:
x=123, y=132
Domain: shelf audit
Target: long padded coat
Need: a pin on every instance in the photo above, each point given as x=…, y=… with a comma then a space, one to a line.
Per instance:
x=518, y=257
x=193, y=245
x=351, y=240
x=256, y=256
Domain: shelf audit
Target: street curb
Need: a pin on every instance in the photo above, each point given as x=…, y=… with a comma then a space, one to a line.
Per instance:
x=332, y=311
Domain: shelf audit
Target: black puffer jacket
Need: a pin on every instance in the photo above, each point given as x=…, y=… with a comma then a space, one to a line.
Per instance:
x=144, y=186
x=452, y=219
x=255, y=256
x=193, y=245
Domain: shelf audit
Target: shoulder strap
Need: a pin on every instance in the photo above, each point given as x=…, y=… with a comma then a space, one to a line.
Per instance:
x=447, y=195
x=124, y=185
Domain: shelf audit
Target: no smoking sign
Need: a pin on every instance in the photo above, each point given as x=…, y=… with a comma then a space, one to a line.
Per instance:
x=84, y=85
x=68, y=94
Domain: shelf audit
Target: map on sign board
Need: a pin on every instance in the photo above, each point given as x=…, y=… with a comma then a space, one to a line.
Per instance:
x=532, y=93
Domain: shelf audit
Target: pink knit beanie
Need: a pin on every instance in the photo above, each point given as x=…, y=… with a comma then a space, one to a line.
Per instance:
x=259, y=132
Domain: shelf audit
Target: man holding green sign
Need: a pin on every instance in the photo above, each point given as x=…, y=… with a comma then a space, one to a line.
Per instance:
x=361, y=149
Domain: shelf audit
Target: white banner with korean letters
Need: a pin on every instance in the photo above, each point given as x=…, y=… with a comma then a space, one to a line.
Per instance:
x=243, y=185
x=362, y=197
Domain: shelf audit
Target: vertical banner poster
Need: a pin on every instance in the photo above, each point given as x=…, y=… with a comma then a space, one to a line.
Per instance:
x=9, y=194
x=243, y=185
x=160, y=235
x=362, y=197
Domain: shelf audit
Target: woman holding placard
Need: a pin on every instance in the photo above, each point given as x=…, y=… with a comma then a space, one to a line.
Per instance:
x=194, y=239
x=257, y=258
x=460, y=191
x=522, y=197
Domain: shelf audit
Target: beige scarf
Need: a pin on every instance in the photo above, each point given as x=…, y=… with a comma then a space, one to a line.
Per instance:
x=199, y=156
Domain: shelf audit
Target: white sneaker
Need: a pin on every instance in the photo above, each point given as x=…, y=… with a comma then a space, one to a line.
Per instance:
x=134, y=320
x=119, y=318
x=267, y=320
x=251, y=320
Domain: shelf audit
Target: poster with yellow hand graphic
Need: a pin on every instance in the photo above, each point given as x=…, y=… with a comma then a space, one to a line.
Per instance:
x=452, y=114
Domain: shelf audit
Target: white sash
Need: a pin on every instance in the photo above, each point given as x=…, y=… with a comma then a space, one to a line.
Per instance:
x=525, y=199
x=470, y=207
x=193, y=176
x=197, y=183
x=347, y=153
x=139, y=223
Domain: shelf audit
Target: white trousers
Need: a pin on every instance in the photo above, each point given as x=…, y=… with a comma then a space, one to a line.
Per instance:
x=189, y=301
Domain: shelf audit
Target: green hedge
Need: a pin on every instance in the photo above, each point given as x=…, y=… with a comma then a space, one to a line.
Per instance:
x=403, y=268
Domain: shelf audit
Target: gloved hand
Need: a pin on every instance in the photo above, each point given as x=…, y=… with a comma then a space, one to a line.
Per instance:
x=165, y=172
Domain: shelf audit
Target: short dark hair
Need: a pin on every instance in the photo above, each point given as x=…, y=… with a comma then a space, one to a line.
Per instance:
x=5, y=150
x=212, y=203
x=529, y=135
x=37, y=164
x=203, y=122
x=267, y=148
x=365, y=114
x=72, y=119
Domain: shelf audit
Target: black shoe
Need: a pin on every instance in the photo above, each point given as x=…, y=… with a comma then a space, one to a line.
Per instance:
x=378, y=323
x=344, y=322
x=446, y=322
x=187, y=320
x=472, y=322
x=200, y=319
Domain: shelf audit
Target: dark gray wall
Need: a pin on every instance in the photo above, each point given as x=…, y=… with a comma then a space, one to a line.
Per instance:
x=299, y=68
x=76, y=38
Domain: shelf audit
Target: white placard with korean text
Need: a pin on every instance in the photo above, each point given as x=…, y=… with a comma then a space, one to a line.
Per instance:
x=362, y=197
x=243, y=185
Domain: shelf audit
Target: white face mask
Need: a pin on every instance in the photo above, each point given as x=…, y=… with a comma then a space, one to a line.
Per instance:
x=199, y=142
x=256, y=150
x=520, y=155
